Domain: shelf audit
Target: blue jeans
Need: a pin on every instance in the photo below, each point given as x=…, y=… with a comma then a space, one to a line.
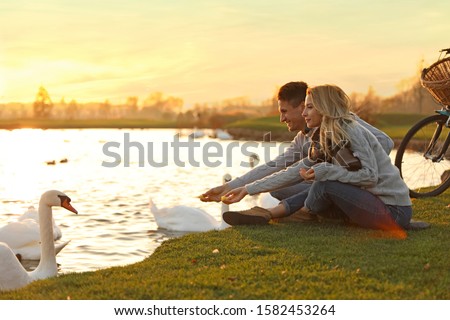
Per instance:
x=295, y=201
x=358, y=205
x=295, y=189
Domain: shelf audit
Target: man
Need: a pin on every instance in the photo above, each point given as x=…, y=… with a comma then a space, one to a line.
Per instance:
x=291, y=102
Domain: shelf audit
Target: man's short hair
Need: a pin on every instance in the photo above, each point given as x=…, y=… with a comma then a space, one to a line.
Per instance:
x=293, y=92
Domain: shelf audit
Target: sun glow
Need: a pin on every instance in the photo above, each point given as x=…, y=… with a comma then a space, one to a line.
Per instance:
x=210, y=51
x=24, y=162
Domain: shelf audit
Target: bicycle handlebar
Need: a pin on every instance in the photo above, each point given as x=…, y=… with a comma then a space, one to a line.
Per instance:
x=445, y=52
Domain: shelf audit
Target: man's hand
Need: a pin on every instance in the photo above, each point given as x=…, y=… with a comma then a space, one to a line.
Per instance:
x=307, y=175
x=215, y=194
x=234, y=195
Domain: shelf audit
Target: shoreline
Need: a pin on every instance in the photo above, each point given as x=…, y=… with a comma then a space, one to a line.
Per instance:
x=241, y=134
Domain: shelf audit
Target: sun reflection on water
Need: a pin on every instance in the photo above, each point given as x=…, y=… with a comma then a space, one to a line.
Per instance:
x=114, y=225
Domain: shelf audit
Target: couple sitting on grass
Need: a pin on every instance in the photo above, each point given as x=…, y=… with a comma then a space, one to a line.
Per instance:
x=313, y=177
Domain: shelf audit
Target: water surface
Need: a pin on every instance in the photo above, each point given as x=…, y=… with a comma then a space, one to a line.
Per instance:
x=114, y=225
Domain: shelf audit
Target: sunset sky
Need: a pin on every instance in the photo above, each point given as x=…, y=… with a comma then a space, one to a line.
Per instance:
x=210, y=50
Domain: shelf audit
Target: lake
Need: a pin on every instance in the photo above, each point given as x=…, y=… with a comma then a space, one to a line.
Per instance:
x=110, y=175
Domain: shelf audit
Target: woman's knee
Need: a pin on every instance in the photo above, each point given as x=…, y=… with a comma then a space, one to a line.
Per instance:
x=317, y=197
x=318, y=186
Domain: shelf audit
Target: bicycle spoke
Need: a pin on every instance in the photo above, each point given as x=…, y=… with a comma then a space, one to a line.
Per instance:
x=420, y=159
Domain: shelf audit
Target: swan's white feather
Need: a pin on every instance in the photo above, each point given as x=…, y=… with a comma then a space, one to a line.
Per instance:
x=11, y=271
x=33, y=251
x=184, y=218
x=32, y=213
x=19, y=234
x=23, y=236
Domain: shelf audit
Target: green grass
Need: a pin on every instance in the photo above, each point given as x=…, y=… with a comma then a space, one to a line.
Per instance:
x=395, y=125
x=264, y=124
x=279, y=261
x=399, y=119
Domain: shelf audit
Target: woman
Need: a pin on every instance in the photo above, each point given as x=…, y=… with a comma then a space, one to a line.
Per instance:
x=373, y=196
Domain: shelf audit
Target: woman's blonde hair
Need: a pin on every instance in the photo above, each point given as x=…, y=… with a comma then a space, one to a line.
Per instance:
x=334, y=106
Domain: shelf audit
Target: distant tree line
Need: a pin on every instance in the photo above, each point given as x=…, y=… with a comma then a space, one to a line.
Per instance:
x=411, y=97
x=157, y=106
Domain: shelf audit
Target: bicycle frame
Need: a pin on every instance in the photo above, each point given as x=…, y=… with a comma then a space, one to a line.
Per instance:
x=436, y=158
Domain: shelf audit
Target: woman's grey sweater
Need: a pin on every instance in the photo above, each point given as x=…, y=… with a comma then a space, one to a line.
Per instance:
x=378, y=175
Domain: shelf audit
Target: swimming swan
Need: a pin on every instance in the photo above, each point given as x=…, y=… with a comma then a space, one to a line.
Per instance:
x=12, y=273
x=22, y=236
x=190, y=219
x=33, y=214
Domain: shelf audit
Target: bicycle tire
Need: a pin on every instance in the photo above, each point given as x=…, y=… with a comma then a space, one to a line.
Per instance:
x=424, y=177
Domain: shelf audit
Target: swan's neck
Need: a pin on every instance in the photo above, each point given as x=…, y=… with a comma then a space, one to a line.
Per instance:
x=225, y=207
x=47, y=265
x=223, y=224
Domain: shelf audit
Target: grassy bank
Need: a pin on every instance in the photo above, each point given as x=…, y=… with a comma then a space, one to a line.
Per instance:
x=265, y=123
x=395, y=125
x=279, y=261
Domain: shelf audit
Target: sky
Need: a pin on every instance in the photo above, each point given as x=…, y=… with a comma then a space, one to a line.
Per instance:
x=205, y=51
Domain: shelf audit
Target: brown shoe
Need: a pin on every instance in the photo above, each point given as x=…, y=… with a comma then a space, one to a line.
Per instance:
x=301, y=215
x=255, y=215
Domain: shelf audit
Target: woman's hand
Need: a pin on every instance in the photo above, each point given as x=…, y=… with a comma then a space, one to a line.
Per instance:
x=307, y=175
x=215, y=194
x=234, y=195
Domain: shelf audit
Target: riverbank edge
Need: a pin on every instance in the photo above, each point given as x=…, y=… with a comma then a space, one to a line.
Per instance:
x=241, y=134
x=320, y=260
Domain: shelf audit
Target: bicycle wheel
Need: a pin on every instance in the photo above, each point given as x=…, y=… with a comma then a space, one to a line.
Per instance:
x=424, y=175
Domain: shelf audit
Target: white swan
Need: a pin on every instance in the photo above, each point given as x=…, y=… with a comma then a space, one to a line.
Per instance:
x=266, y=200
x=12, y=273
x=22, y=236
x=222, y=135
x=33, y=252
x=189, y=219
x=33, y=214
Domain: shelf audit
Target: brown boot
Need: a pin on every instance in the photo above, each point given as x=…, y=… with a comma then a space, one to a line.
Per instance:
x=301, y=215
x=255, y=215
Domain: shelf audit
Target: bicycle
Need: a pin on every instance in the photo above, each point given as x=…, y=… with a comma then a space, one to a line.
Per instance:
x=423, y=157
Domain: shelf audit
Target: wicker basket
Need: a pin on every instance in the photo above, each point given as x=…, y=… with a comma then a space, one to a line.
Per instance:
x=436, y=79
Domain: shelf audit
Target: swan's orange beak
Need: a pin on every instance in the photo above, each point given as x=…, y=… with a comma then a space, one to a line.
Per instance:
x=66, y=204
